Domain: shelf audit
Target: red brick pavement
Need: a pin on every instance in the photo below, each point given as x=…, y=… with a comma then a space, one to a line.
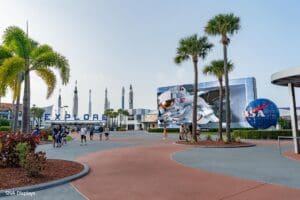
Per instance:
x=148, y=172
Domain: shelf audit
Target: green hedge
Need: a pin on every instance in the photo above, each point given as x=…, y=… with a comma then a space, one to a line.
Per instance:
x=261, y=134
x=160, y=130
x=4, y=128
x=176, y=130
x=4, y=122
x=224, y=130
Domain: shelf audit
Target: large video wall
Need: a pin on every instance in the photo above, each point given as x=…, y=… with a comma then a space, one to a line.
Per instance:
x=174, y=103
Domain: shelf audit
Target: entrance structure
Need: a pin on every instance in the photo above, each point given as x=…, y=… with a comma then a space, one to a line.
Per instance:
x=291, y=79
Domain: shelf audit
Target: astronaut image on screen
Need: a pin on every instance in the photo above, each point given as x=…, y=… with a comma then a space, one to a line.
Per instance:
x=176, y=106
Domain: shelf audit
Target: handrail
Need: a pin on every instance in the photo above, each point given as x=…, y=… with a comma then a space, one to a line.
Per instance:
x=286, y=137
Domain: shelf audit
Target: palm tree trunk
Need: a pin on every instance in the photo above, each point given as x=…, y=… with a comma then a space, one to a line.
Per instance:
x=26, y=104
x=194, y=123
x=227, y=93
x=220, y=108
x=12, y=116
x=16, y=114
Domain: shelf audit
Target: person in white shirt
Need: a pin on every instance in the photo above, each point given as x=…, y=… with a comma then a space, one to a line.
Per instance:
x=83, y=132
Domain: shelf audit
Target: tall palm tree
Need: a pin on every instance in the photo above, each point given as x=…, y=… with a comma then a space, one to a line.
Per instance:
x=216, y=68
x=30, y=56
x=224, y=25
x=194, y=48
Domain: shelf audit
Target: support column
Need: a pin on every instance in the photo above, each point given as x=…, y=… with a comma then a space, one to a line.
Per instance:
x=294, y=117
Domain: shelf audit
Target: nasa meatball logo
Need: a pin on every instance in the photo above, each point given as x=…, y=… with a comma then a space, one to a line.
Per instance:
x=262, y=113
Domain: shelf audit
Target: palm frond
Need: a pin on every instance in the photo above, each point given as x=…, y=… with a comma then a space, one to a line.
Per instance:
x=191, y=47
x=44, y=57
x=49, y=77
x=10, y=71
x=223, y=24
x=216, y=68
x=4, y=53
x=15, y=39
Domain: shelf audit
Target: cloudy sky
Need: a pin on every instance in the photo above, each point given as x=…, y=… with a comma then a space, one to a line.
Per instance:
x=115, y=43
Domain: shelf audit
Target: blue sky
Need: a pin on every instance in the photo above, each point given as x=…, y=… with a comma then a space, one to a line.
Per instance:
x=115, y=43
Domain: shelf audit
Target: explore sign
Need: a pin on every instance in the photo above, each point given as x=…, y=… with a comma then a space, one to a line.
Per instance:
x=66, y=117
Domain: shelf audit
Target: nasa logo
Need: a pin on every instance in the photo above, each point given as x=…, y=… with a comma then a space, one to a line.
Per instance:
x=262, y=113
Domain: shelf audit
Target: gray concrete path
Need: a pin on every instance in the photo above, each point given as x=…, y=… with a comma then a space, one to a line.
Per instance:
x=260, y=163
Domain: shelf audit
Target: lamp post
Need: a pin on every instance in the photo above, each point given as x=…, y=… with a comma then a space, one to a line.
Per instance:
x=64, y=110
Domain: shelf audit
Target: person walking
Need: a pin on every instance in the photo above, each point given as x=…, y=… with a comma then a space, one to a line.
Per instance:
x=181, y=132
x=83, y=132
x=100, y=133
x=64, y=135
x=54, y=133
x=106, y=133
x=91, y=132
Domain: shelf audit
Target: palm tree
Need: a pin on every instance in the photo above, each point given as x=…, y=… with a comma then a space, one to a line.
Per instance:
x=194, y=48
x=216, y=68
x=114, y=116
x=108, y=114
x=120, y=115
x=126, y=114
x=30, y=56
x=224, y=25
x=14, y=84
x=38, y=114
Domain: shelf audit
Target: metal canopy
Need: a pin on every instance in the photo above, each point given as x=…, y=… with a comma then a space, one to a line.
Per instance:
x=283, y=78
x=291, y=79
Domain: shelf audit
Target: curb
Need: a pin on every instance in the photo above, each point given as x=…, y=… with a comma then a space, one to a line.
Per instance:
x=42, y=186
x=199, y=146
x=239, y=146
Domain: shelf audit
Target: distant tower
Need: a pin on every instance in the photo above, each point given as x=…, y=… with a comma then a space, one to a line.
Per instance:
x=130, y=97
x=90, y=102
x=123, y=98
x=75, y=101
x=106, y=106
x=59, y=103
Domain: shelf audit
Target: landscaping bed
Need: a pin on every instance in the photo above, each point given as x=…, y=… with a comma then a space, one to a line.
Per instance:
x=216, y=144
x=55, y=169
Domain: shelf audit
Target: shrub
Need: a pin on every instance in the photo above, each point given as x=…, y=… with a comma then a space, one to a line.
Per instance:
x=284, y=124
x=4, y=122
x=161, y=130
x=5, y=128
x=44, y=134
x=261, y=134
x=225, y=139
x=208, y=137
x=35, y=163
x=8, y=155
x=69, y=138
x=22, y=149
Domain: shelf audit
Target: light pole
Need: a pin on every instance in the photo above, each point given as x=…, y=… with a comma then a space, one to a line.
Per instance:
x=64, y=110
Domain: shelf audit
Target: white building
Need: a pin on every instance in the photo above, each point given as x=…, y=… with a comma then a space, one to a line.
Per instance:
x=136, y=118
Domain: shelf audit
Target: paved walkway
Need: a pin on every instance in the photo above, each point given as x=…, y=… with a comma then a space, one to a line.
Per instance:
x=142, y=166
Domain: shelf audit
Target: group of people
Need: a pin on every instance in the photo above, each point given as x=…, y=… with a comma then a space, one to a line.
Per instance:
x=59, y=135
x=184, y=130
x=89, y=130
